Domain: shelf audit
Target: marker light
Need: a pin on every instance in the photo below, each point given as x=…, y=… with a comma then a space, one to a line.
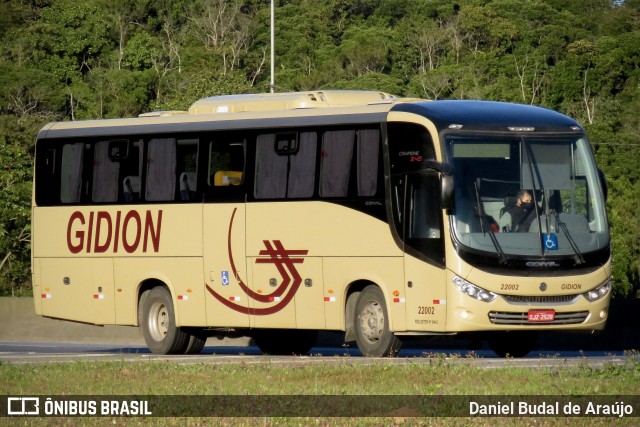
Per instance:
x=473, y=291
x=599, y=292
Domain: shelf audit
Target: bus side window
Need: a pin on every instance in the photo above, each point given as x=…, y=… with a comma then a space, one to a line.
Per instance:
x=161, y=170
x=335, y=162
x=106, y=172
x=187, y=169
x=367, y=157
x=71, y=173
x=226, y=164
x=286, y=165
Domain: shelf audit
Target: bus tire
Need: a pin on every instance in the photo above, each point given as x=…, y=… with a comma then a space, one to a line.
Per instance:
x=513, y=344
x=285, y=342
x=159, y=323
x=196, y=343
x=371, y=323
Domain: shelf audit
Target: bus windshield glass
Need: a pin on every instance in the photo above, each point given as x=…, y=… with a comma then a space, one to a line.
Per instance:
x=526, y=195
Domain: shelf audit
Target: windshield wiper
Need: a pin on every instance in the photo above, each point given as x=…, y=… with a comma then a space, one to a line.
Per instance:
x=532, y=166
x=480, y=209
x=563, y=226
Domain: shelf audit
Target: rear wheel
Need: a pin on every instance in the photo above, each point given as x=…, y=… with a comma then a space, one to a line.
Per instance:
x=513, y=344
x=158, y=323
x=372, y=325
x=196, y=343
x=285, y=341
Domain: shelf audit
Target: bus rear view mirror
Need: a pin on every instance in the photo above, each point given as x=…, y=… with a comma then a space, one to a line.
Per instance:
x=446, y=182
x=603, y=184
x=447, y=195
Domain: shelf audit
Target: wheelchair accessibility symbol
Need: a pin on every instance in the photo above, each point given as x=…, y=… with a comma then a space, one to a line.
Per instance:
x=550, y=241
x=225, y=278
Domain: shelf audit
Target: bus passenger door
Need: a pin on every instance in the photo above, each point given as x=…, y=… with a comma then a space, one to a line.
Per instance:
x=423, y=236
x=224, y=237
x=224, y=264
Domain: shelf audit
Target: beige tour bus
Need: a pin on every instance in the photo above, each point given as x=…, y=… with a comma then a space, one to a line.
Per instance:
x=276, y=216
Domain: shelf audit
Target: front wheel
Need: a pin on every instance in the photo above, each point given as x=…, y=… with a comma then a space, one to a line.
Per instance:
x=372, y=325
x=158, y=323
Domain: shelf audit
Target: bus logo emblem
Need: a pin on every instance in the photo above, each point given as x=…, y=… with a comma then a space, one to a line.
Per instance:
x=284, y=261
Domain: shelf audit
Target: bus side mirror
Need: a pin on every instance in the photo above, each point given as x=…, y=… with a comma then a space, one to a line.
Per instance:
x=447, y=194
x=603, y=184
x=446, y=182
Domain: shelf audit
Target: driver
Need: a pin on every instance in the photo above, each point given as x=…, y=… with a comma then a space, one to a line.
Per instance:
x=522, y=213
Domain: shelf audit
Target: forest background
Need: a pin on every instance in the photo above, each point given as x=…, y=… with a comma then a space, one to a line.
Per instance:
x=95, y=59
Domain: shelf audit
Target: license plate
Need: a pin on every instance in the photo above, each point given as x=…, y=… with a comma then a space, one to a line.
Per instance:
x=541, y=316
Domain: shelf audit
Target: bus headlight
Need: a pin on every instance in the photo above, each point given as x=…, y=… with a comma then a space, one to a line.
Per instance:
x=473, y=291
x=599, y=292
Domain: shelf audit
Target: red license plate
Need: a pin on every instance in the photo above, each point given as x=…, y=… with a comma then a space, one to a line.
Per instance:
x=541, y=316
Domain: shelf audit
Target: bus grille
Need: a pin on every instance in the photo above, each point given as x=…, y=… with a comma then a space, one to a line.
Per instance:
x=515, y=318
x=544, y=299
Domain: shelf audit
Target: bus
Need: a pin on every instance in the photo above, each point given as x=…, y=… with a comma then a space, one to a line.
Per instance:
x=276, y=216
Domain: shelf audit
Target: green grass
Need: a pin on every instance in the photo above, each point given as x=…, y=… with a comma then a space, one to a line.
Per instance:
x=439, y=377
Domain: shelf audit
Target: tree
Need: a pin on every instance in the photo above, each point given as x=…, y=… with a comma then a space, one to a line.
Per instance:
x=71, y=38
x=367, y=49
x=70, y=60
x=27, y=91
x=223, y=27
x=15, y=213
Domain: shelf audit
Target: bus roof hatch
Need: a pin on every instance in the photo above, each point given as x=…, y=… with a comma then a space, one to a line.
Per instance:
x=288, y=101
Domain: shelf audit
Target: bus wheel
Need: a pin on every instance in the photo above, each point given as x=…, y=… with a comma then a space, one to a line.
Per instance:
x=159, y=323
x=513, y=344
x=372, y=325
x=196, y=343
x=285, y=341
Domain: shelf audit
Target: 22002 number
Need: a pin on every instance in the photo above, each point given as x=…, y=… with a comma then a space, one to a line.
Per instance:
x=509, y=287
x=426, y=310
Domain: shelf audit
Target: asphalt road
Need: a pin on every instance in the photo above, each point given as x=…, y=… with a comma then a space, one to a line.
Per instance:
x=27, y=338
x=47, y=352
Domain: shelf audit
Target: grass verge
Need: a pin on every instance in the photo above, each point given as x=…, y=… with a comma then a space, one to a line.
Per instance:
x=434, y=379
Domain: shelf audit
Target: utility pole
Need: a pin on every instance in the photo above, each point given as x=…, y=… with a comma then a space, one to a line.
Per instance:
x=273, y=80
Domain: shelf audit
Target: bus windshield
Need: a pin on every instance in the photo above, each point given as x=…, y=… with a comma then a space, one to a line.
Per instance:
x=522, y=195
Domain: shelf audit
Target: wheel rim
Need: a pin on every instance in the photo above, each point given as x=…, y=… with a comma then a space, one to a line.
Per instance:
x=158, y=321
x=372, y=321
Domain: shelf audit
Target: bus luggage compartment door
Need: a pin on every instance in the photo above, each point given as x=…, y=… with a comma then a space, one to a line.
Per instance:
x=288, y=292
x=78, y=289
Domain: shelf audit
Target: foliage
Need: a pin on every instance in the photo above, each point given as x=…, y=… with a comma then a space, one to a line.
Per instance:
x=15, y=212
x=83, y=59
